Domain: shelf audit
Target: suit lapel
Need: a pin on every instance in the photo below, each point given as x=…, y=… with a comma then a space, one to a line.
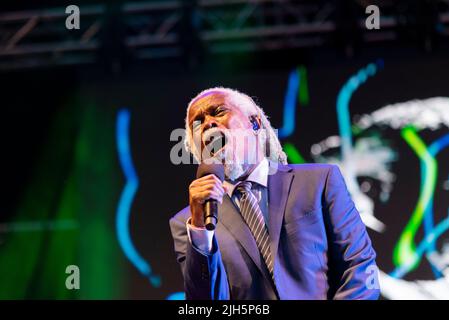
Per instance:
x=278, y=191
x=232, y=220
x=229, y=216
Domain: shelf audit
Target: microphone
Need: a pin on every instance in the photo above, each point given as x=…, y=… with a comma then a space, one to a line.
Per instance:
x=210, y=205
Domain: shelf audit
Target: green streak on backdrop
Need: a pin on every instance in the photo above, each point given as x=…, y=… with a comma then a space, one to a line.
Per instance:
x=99, y=177
x=75, y=179
x=404, y=254
x=294, y=156
x=303, y=93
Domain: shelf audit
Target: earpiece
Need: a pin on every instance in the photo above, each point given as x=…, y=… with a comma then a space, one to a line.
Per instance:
x=254, y=123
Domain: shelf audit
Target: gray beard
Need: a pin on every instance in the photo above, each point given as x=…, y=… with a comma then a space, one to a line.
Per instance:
x=234, y=171
x=233, y=167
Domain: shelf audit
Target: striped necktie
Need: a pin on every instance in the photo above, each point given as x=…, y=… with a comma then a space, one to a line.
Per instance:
x=252, y=214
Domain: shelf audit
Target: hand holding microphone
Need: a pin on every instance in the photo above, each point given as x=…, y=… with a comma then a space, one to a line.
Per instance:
x=204, y=193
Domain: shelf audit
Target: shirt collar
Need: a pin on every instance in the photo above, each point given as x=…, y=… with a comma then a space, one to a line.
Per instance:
x=259, y=176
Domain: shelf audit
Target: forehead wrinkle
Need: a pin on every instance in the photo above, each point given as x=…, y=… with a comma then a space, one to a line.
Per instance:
x=205, y=102
x=205, y=95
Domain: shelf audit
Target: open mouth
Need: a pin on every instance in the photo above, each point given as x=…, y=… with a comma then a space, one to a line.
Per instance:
x=214, y=141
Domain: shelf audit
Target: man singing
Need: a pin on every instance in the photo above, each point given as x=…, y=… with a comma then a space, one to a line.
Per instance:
x=284, y=231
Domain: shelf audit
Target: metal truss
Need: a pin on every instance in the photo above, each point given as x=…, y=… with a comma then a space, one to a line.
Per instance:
x=164, y=29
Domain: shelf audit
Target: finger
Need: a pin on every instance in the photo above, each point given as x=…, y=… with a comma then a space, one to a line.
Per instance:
x=207, y=177
x=211, y=177
x=216, y=188
x=203, y=196
x=202, y=184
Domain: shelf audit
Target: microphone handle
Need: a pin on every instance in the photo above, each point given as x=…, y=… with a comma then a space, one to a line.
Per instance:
x=210, y=214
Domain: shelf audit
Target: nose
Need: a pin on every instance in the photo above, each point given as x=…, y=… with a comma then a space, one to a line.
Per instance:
x=209, y=122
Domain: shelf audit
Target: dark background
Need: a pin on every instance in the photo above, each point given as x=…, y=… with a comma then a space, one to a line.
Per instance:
x=60, y=159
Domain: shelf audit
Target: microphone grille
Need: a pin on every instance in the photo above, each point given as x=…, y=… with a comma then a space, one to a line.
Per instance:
x=205, y=169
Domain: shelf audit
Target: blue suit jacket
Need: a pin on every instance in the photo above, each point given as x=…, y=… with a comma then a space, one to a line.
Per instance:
x=320, y=244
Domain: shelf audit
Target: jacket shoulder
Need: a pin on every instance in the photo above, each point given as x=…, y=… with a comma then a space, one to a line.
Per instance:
x=312, y=168
x=312, y=173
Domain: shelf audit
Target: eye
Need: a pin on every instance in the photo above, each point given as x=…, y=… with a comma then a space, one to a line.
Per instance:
x=220, y=111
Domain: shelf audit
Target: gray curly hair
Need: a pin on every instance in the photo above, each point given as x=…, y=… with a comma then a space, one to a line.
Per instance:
x=247, y=105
